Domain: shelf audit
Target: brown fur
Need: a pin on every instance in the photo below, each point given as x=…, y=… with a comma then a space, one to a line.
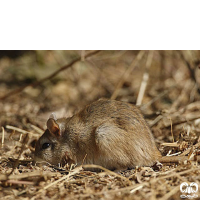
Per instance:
x=109, y=133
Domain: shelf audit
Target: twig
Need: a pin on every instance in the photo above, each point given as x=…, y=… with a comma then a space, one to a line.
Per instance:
x=177, y=118
x=75, y=171
x=20, y=153
x=174, y=174
x=127, y=73
x=18, y=90
x=171, y=129
x=3, y=133
x=144, y=106
x=145, y=79
x=21, y=131
x=27, y=175
x=21, y=162
x=108, y=171
x=191, y=70
x=192, y=73
x=188, y=150
x=137, y=188
x=84, y=159
x=174, y=154
x=19, y=182
x=39, y=130
x=155, y=121
x=170, y=144
x=185, y=91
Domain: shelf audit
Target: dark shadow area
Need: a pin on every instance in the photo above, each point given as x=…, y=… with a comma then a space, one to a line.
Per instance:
x=13, y=53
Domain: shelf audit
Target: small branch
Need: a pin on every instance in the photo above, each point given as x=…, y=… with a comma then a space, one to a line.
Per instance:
x=171, y=129
x=21, y=151
x=30, y=175
x=16, y=182
x=176, y=159
x=174, y=144
x=21, y=131
x=3, y=134
x=145, y=79
x=144, y=106
x=107, y=171
x=66, y=177
x=179, y=118
x=188, y=65
x=18, y=90
x=188, y=150
x=127, y=73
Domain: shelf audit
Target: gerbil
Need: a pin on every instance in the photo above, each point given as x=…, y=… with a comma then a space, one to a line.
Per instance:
x=109, y=133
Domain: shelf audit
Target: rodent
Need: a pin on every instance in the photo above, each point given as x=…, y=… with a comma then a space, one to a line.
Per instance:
x=109, y=133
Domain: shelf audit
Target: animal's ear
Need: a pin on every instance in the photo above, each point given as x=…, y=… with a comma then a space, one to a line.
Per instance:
x=53, y=127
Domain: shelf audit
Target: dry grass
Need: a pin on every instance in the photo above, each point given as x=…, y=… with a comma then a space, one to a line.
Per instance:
x=169, y=99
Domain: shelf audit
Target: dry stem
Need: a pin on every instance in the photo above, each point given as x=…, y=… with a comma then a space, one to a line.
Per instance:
x=127, y=73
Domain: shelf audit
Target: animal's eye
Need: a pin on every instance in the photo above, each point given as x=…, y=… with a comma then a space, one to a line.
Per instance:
x=45, y=145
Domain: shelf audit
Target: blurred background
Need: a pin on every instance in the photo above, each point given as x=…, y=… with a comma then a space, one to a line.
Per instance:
x=167, y=81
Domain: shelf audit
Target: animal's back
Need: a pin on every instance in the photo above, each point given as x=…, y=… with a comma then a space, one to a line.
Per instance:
x=122, y=136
